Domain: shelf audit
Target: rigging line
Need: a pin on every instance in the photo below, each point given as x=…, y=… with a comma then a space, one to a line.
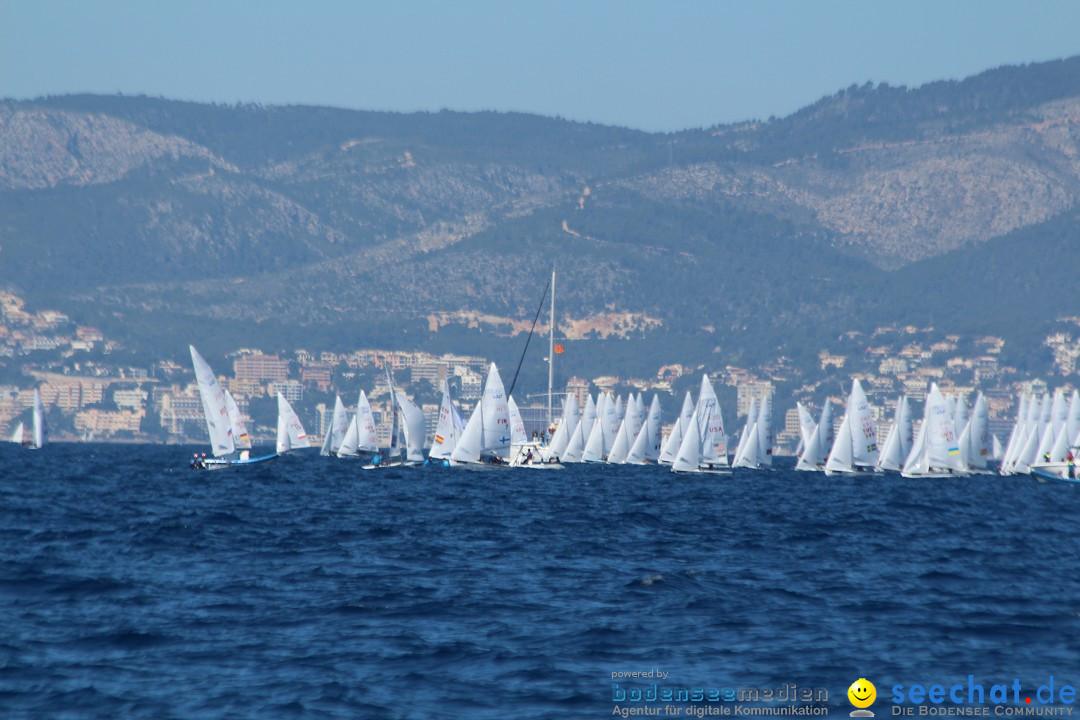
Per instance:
x=522, y=358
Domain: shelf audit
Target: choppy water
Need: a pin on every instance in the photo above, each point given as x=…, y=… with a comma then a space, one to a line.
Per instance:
x=133, y=587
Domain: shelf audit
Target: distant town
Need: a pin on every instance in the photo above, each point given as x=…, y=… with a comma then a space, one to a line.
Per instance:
x=88, y=399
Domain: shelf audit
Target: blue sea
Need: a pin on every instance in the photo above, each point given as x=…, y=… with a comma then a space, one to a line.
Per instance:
x=133, y=587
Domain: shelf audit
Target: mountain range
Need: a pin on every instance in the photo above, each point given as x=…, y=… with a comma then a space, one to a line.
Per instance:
x=955, y=204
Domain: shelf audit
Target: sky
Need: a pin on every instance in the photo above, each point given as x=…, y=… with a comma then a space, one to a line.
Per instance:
x=661, y=66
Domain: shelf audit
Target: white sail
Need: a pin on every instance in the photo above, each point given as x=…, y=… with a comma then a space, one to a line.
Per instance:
x=393, y=453
x=653, y=427
x=213, y=401
x=1046, y=417
x=1055, y=418
x=688, y=458
x=765, y=432
x=579, y=437
x=598, y=445
x=636, y=456
x=960, y=416
x=864, y=449
x=367, y=437
x=290, y=433
x=826, y=429
x=570, y=419
x=471, y=441
x=39, y=421
x=675, y=438
x=327, y=441
x=413, y=427
x=898, y=442
x=807, y=426
x=627, y=433
x=1015, y=437
x=998, y=452
x=975, y=440
x=241, y=440
x=916, y=459
x=744, y=437
x=840, y=457
x=808, y=440
x=448, y=429
x=751, y=449
x=496, y=415
x=942, y=443
x=713, y=439
x=821, y=442
x=937, y=448
x=17, y=436
x=335, y=432
x=518, y=435
x=890, y=451
x=1029, y=451
x=621, y=447
x=350, y=441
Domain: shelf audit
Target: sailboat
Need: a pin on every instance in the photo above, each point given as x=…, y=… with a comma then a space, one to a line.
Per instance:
x=899, y=440
x=602, y=436
x=629, y=428
x=975, y=440
x=675, y=437
x=39, y=435
x=413, y=429
x=290, y=432
x=447, y=431
x=817, y=441
x=524, y=452
x=755, y=447
x=575, y=447
x=855, y=450
x=1008, y=457
x=335, y=431
x=646, y=447
x=568, y=422
x=219, y=424
x=485, y=441
x=396, y=454
x=935, y=451
x=241, y=439
x=361, y=440
x=704, y=443
x=17, y=436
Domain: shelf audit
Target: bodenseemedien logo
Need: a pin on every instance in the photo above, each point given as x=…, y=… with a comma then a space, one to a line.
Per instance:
x=862, y=694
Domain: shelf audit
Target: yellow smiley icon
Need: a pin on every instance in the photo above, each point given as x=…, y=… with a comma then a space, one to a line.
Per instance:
x=862, y=693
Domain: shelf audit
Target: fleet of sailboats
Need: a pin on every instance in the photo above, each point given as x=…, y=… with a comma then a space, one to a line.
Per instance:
x=949, y=440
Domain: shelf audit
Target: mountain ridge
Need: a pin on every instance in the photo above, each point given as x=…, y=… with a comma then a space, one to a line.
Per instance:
x=138, y=211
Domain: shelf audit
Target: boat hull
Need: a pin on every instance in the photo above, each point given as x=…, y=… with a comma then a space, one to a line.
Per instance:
x=1051, y=473
x=223, y=463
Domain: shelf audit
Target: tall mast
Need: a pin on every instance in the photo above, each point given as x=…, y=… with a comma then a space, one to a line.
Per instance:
x=551, y=346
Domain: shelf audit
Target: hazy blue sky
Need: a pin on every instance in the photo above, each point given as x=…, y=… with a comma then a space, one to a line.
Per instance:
x=652, y=65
